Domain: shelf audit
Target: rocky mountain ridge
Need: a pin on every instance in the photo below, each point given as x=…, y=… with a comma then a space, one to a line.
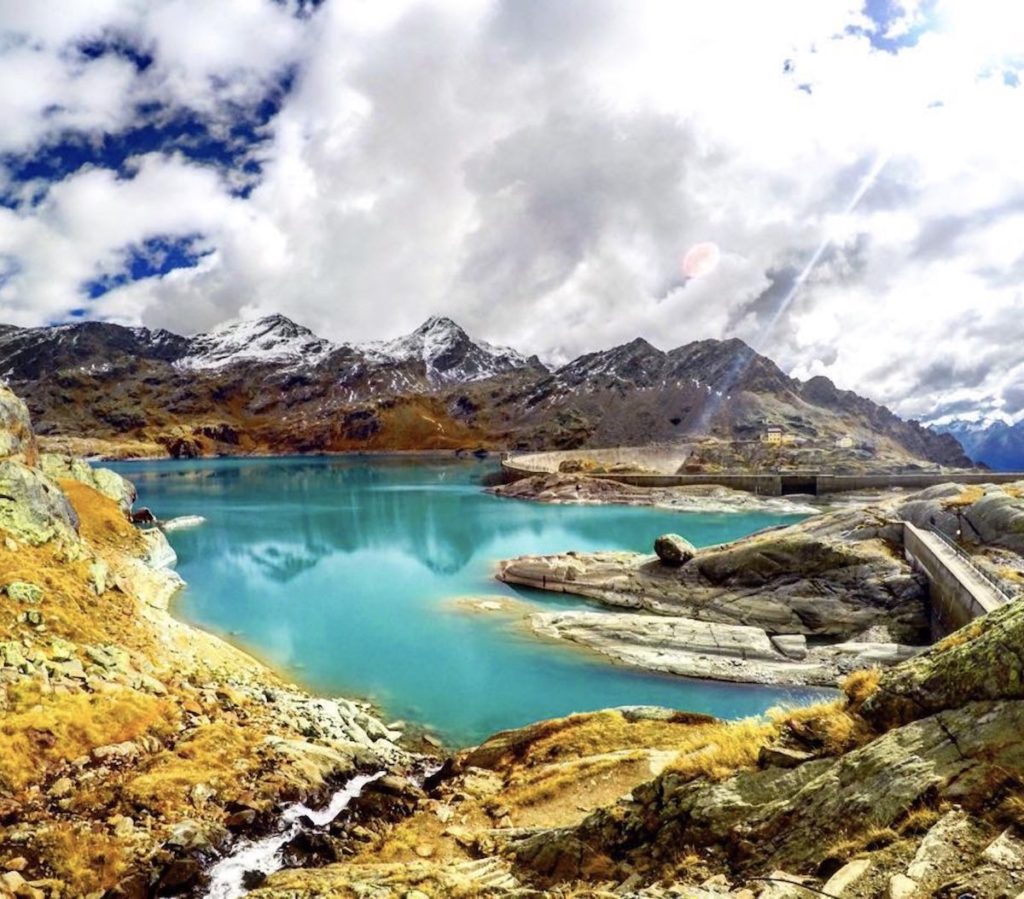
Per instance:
x=271, y=385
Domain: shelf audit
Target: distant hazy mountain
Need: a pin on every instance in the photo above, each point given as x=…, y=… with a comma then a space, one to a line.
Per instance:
x=272, y=385
x=998, y=445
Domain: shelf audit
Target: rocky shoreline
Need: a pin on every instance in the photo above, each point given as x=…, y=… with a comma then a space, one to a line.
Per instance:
x=804, y=605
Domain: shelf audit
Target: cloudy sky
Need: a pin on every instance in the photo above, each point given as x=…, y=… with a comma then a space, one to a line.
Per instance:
x=538, y=170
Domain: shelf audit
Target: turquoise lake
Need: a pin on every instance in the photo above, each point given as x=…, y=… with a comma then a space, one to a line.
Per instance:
x=341, y=570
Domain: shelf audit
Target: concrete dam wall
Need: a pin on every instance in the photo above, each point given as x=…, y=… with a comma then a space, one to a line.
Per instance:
x=659, y=467
x=958, y=591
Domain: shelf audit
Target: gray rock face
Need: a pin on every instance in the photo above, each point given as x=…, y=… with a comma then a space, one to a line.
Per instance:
x=995, y=518
x=792, y=646
x=835, y=576
x=17, y=441
x=674, y=550
x=103, y=480
x=717, y=651
x=778, y=816
x=32, y=508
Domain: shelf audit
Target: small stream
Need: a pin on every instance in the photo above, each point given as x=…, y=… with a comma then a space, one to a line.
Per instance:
x=264, y=855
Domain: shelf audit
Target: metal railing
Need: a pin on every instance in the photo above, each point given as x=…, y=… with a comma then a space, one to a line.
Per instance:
x=1007, y=591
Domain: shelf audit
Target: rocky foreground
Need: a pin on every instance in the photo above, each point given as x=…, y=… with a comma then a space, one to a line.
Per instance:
x=138, y=755
x=908, y=786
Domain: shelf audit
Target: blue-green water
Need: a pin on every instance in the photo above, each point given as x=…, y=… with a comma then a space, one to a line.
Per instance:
x=340, y=570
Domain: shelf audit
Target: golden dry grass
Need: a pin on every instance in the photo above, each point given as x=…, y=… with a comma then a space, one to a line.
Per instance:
x=861, y=686
x=103, y=523
x=41, y=731
x=967, y=497
x=719, y=750
x=86, y=856
x=959, y=637
x=1010, y=574
x=208, y=757
x=608, y=731
x=919, y=821
x=546, y=783
x=70, y=607
x=870, y=840
x=832, y=727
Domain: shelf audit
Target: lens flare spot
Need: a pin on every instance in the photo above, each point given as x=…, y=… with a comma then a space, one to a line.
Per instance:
x=701, y=259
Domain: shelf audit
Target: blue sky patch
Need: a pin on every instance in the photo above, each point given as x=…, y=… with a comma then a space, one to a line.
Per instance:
x=230, y=144
x=153, y=258
x=884, y=13
x=116, y=45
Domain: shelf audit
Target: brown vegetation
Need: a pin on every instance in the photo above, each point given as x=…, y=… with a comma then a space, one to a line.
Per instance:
x=41, y=731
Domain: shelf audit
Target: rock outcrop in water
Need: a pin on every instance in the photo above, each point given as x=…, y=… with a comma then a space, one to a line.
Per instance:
x=803, y=604
x=799, y=605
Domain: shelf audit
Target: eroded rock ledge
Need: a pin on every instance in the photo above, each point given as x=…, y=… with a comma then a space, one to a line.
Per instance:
x=727, y=652
x=799, y=605
x=804, y=604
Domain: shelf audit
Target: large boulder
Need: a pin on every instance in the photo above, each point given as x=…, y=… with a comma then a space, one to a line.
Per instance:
x=674, y=550
x=109, y=483
x=32, y=507
x=997, y=519
x=17, y=442
x=989, y=514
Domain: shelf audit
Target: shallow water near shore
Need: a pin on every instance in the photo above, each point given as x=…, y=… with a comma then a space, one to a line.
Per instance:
x=341, y=571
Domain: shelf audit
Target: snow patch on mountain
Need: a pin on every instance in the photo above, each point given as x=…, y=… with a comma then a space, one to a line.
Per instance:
x=446, y=351
x=272, y=340
x=993, y=441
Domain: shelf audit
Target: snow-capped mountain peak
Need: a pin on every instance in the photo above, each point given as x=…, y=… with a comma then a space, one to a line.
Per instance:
x=447, y=353
x=271, y=339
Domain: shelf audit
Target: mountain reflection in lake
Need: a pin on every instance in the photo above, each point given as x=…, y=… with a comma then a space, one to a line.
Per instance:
x=339, y=568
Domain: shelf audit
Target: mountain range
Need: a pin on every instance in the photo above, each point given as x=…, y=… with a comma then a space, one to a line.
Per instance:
x=271, y=385
x=997, y=444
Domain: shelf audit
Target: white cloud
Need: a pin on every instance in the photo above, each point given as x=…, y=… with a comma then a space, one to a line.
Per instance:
x=537, y=170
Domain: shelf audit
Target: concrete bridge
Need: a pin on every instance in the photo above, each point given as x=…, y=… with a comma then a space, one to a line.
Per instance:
x=959, y=590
